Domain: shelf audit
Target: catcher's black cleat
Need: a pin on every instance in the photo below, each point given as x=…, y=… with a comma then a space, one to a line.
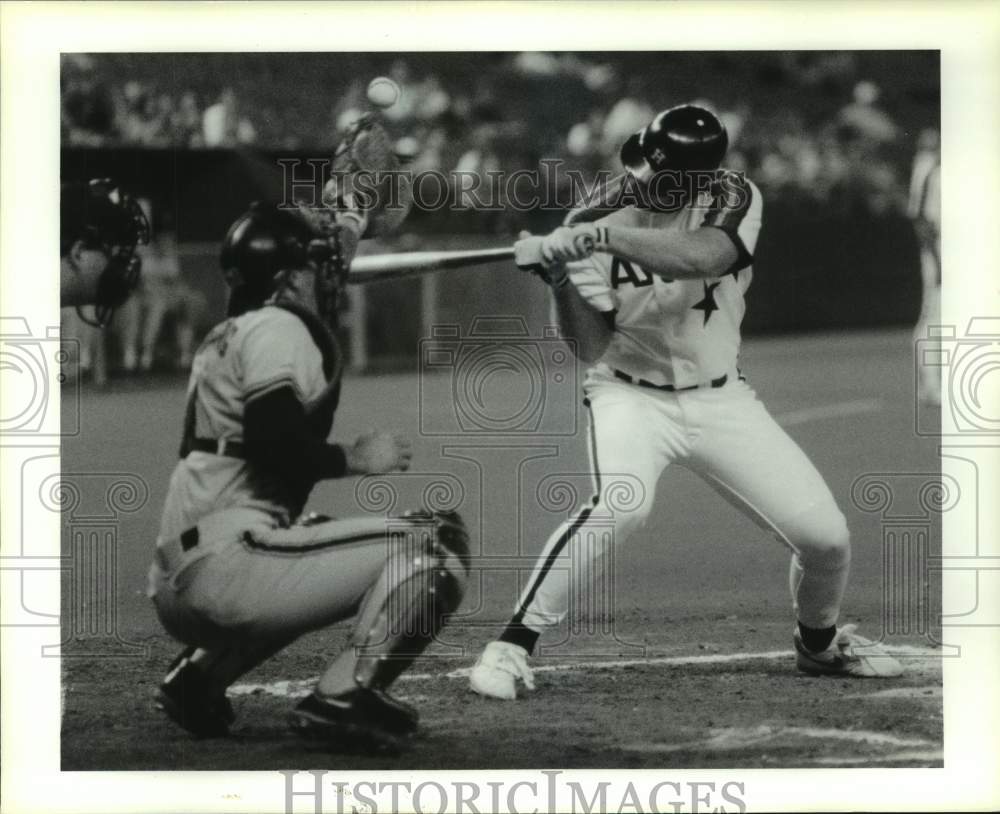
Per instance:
x=188, y=701
x=406, y=715
x=364, y=720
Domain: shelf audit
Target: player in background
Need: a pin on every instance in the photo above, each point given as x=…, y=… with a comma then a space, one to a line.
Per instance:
x=100, y=226
x=653, y=295
x=925, y=211
x=239, y=572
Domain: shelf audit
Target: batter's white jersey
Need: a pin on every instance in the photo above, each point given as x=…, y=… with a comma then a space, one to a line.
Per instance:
x=240, y=360
x=679, y=332
x=685, y=333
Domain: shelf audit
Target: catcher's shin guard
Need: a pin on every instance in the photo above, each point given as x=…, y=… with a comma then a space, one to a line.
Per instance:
x=423, y=581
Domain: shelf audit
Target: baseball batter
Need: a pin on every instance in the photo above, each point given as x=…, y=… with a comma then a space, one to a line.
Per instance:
x=239, y=573
x=654, y=296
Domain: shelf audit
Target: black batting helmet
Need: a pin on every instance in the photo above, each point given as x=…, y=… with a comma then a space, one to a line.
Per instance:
x=682, y=139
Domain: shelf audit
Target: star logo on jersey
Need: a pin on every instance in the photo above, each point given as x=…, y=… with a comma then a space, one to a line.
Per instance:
x=707, y=303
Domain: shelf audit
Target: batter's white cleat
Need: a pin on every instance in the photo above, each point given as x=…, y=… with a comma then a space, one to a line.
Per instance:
x=498, y=669
x=848, y=655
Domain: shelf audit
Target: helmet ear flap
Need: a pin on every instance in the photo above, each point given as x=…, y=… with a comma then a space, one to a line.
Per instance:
x=631, y=155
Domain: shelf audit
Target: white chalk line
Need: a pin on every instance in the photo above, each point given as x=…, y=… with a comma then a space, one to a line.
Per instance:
x=839, y=409
x=721, y=740
x=903, y=756
x=297, y=688
x=932, y=692
x=901, y=750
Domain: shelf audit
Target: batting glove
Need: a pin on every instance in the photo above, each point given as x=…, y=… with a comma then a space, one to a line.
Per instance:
x=528, y=256
x=569, y=243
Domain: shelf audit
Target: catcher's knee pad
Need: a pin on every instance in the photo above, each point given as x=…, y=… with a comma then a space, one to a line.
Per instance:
x=423, y=580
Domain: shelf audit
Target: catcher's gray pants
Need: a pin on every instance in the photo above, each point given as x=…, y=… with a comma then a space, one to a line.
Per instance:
x=246, y=579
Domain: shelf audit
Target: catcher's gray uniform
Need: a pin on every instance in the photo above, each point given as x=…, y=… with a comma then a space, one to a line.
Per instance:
x=252, y=572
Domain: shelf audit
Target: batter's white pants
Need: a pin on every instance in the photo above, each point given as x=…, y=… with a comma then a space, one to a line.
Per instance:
x=727, y=437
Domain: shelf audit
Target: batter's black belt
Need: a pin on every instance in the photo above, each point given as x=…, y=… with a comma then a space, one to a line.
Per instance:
x=220, y=446
x=670, y=388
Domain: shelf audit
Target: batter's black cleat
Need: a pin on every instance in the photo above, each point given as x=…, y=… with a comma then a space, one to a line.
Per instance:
x=187, y=699
x=364, y=720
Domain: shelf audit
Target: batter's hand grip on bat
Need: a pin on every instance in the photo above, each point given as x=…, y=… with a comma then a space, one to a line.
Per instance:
x=585, y=242
x=528, y=253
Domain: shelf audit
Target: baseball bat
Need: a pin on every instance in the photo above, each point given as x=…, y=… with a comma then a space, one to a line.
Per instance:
x=527, y=256
x=406, y=264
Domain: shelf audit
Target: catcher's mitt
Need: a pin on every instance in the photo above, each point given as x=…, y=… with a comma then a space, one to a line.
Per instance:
x=366, y=175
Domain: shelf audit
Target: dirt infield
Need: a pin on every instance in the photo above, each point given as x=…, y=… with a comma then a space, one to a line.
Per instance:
x=695, y=670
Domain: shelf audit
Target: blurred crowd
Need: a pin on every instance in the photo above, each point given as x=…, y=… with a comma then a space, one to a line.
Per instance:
x=823, y=132
x=831, y=138
x=98, y=113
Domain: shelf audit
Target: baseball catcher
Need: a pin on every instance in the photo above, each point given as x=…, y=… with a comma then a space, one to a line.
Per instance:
x=654, y=295
x=239, y=572
x=100, y=227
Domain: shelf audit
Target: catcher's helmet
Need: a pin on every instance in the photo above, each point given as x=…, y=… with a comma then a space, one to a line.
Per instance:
x=682, y=139
x=267, y=240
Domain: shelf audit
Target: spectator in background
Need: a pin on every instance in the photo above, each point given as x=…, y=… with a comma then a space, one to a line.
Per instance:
x=91, y=341
x=142, y=122
x=430, y=151
x=479, y=160
x=628, y=115
x=88, y=112
x=186, y=127
x=163, y=293
x=223, y=125
x=583, y=140
x=432, y=100
x=865, y=117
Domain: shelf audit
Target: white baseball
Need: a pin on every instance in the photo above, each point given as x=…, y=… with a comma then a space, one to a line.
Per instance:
x=383, y=92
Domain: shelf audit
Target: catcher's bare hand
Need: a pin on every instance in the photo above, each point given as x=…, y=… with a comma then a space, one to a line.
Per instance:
x=376, y=453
